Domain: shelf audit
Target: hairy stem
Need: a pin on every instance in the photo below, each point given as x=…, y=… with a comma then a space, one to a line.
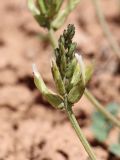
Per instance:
x=114, y=45
x=101, y=108
x=78, y=131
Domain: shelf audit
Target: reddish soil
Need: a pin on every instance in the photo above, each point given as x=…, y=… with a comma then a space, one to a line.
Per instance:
x=30, y=129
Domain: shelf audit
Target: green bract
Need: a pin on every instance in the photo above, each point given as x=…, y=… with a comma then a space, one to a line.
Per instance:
x=54, y=99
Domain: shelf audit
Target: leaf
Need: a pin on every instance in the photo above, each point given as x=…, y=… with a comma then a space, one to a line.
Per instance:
x=113, y=108
x=115, y=149
x=101, y=126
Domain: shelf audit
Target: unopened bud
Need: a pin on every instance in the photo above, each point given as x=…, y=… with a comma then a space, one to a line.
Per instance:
x=71, y=68
x=76, y=93
x=71, y=49
x=57, y=78
x=76, y=75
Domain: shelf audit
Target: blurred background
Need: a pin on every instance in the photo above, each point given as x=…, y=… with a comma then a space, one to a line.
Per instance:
x=30, y=129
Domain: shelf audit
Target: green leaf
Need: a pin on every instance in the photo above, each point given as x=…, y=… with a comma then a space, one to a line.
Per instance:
x=101, y=126
x=113, y=108
x=115, y=149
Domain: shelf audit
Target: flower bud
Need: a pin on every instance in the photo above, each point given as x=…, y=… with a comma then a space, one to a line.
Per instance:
x=71, y=68
x=57, y=78
x=76, y=75
x=62, y=58
x=71, y=50
x=76, y=93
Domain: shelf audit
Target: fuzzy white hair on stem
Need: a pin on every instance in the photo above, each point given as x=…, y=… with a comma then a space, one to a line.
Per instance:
x=82, y=66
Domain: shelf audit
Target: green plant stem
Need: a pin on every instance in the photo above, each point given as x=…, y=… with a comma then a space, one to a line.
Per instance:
x=78, y=131
x=101, y=108
x=114, y=45
x=52, y=38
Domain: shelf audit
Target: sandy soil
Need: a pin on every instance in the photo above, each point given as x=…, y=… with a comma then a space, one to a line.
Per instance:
x=30, y=129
